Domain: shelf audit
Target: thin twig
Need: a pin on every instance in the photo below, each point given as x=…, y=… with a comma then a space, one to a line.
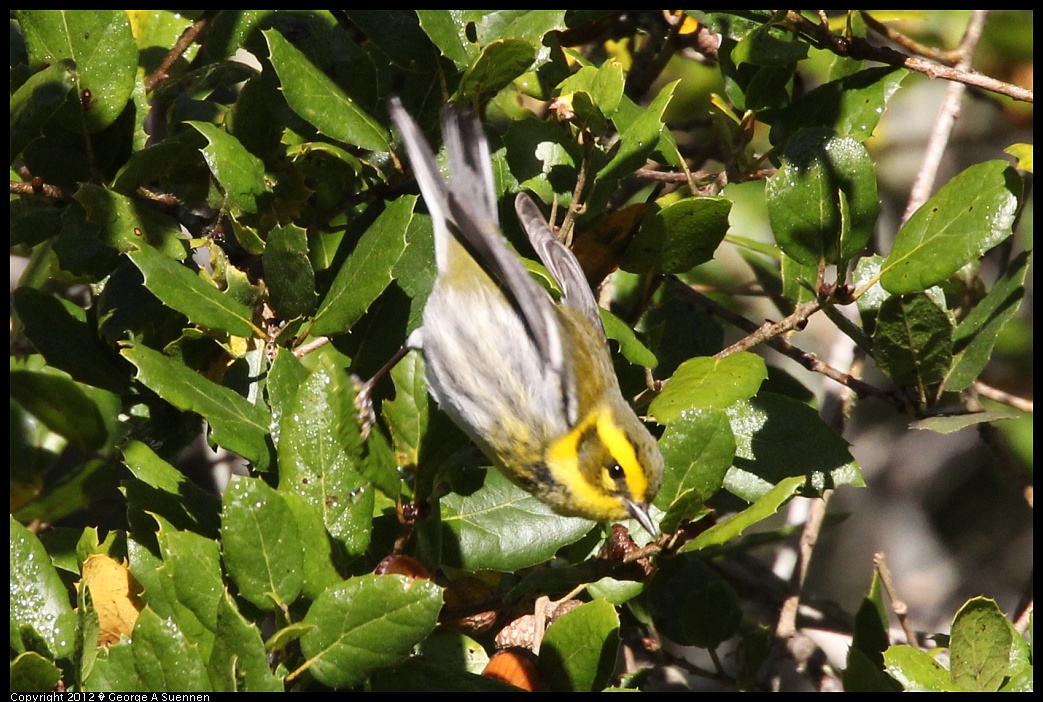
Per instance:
x=770, y=333
x=180, y=47
x=947, y=116
x=858, y=48
x=997, y=395
x=899, y=607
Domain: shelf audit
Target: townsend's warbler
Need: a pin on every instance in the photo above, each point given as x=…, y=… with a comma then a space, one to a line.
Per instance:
x=530, y=380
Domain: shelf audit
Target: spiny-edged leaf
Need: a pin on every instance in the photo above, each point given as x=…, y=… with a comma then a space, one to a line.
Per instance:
x=368, y=270
x=709, y=383
x=41, y=618
x=822, y=202
x=579, y=649
x=366, y=624
x=183, y=290
x=777, y=437
x=913, y=341
x=239, y=173
x=179, y=499
x=320, y=456
x=501, y=527
x=236, y=423
x=917, y=671
x=972, y=213
x=127, y=226
x=850, y=106
x=629, y=345
x=697, y=449
x=102, y=47
x=763, y=508
x=288, y=272
x=164, y=658
x=260, y=544
x=187, y=587
x=638, y=137
x=980, y=646
x=35, y=102
x=317, y=99
x=238, y=661
x=679, y=236
x=976, y=334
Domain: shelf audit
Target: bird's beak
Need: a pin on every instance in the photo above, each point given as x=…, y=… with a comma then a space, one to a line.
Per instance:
x=640, y=513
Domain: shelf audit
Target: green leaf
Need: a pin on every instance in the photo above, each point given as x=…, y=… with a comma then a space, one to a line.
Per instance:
x=366, y=624
x=185, y=291
x=59, y=330
x=367, y=271
x=638, y=137
x=764, y=47
x=239, y=173
x=578, y=652
x=319, y=101
x=172, y=496
x=31, y=672
x=976, y=334
x=850, y=106
x=498, y=64
x=237, y=424
x=709, y=383
x=604, y=83
x=501, y=527
x=954, y=423
x=79, y=413
x=288, y=272
x=913, y=341
x=100, y=45
x=320, y=456
x=127, y=226
x=764, y=507
x=777, y=437
x=260, y=544
x=972, y=213
x=408, y=413
x=697, y=449
x=447, y=30
x=679, y=236
x=164, y=659
x=42, y=619
x=917, y=671
x=36, y=101
x=629, y=345
x=822, y=202
x=238, y=661
x=980, y=646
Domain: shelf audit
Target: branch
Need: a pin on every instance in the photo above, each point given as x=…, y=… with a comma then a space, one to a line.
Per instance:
x=858, y=48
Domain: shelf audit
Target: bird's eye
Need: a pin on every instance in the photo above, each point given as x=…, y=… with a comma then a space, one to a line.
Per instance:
x=615, y=471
